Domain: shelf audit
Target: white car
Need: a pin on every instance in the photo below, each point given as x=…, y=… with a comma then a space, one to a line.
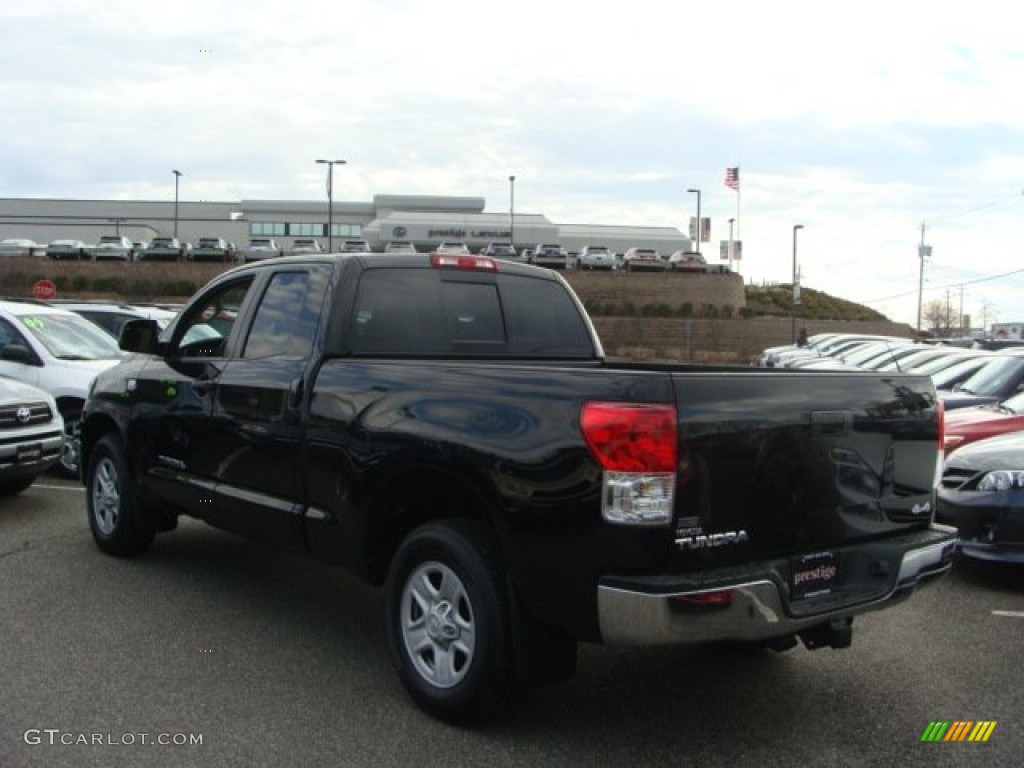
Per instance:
x=260, y=248
x=355, y=246
x=58, y=351
x=644, y=260
x=31, y=435
x=399, y=246
x=452, y=247
x=20, y=246
x=596, y=257
x=687, y=261
x=114, y=248
x=306, y=245
x=112, y=317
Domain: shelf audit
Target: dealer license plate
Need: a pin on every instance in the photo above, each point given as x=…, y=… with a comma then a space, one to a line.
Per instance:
x=29, y=454
x=815, y=574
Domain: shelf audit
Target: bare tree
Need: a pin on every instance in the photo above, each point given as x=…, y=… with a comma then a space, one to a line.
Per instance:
x=937, y=317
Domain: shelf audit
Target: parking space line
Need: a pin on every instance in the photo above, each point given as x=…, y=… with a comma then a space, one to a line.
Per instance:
x=1010, y=614
x=59, y=487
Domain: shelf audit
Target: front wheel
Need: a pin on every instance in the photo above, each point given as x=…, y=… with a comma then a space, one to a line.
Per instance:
x=448, y=625
x=121, y=525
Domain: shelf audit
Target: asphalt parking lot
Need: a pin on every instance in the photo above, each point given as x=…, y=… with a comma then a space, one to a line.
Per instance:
x=214, y=651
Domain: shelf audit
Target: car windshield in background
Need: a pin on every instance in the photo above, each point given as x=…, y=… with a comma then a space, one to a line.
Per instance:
x=71, y=337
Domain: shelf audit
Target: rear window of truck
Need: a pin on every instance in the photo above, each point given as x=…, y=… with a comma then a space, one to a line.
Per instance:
x=425, y=313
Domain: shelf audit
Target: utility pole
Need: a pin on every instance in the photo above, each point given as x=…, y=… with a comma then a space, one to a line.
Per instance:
x=922, y=251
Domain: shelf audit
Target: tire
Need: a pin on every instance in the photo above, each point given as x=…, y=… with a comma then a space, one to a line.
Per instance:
x=120, y=524
x=14, y=487
x=68, y=463
x=448, y=621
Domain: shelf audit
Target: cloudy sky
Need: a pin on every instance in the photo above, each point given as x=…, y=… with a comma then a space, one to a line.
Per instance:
x=860, y=121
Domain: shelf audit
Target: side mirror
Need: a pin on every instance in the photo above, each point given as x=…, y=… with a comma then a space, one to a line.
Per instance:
x=139, y=335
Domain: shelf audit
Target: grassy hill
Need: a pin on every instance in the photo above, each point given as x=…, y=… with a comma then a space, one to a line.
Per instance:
x=775, y=301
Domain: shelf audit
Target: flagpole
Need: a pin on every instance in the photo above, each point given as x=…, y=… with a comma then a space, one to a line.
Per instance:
x=739, y=236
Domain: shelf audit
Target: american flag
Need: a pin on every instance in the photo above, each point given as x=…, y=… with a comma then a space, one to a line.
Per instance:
x=732, y=178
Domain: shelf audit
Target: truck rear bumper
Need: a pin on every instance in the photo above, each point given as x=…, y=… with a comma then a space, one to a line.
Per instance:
x=754, y=602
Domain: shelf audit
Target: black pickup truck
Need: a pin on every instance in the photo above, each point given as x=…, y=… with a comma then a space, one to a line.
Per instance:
x=447, y=425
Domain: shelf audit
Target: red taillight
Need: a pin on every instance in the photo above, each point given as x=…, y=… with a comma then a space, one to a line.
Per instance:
x=719, y=598
x=631, y=437
x=463, y=261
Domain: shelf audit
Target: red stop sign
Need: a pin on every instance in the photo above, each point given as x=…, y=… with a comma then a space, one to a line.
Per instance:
x=44, y=290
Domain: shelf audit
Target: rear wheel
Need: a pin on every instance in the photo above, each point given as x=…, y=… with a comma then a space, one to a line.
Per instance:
x=120, y=524
x=448, y=622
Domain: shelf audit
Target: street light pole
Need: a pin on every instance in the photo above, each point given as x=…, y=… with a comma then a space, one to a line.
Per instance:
x=177, y=175
x=796, y=288
x=697, y=231
x=512, y=212
x=330, y=200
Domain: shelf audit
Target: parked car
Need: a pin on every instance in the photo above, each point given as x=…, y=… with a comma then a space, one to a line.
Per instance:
x=112, y=317
x=58, y=351
x=113, y=248
x=979, y=422
x=550, y=255
x=982, y=494
x=500, y=251
x=306, y=245
x=165, y=249
x=31, y=434
x=1000, y=377
x=67, y=250
x=355, y=246
x=20, y=246
x=260, y=248
x=400, y=246
x=596, y=257
x=687, y=261
x=214, y=249
x=452, y=247
x=644, y=260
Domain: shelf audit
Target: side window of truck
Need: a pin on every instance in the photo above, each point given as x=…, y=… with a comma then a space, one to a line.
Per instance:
x=286, y=320
x=204, y=332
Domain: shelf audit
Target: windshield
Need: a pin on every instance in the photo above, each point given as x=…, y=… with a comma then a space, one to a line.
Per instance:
x=71, y=337
x=999, y=376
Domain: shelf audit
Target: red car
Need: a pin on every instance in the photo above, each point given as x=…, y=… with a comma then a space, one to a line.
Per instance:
x=965, y=425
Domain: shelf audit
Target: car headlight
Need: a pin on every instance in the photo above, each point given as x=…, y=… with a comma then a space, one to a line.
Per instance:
x=1002, y=480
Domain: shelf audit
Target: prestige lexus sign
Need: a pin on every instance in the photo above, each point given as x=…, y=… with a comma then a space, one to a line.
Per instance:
x=476, y=234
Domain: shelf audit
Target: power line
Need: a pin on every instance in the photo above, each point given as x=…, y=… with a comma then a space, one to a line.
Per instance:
x=946, y=287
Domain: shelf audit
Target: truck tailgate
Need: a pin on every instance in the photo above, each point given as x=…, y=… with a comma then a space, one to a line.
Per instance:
x=800, y=463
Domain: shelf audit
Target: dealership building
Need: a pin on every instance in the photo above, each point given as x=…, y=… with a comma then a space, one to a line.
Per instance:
x=424, y=220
